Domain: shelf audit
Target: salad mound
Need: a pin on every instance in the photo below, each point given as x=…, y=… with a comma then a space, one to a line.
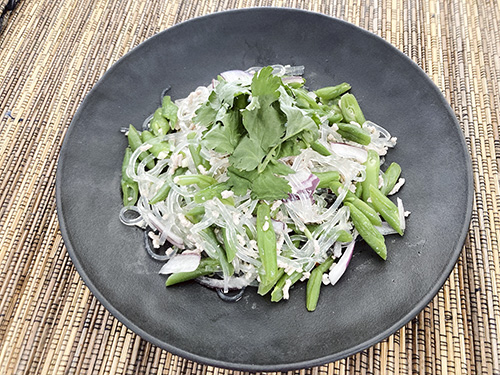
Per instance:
x=254, y=180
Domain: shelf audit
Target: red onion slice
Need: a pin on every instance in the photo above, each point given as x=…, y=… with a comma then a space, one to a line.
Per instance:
x=303, y=184
x=234, y=283
x=350, y=152
x=338, y=270
x=181, y=263
x=292, y=79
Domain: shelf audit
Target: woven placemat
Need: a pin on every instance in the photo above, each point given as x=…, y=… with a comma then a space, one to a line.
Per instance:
x=52, y=53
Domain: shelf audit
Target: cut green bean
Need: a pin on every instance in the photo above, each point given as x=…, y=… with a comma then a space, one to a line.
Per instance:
x=386, y=208
x=332, y=92
x=210, y=192
x=320, y=149
x=391, y=177
x=209, y=235
x=159, y=124
x=206, y=267
x=351, y=110
x=169, y=111
x=268, y=284
x=160, y=149
x=134, y=140
x=372, y=165
x=126, y=162
x=163, y=191
x=344, y=236
x=203, y=181
x=314, y=284
x=366, y=209
x=367, y=231
x=304, y=100
x=266, y=243
x=130, y=192
x=354, y=133
x=277, y=293
x=327, y=178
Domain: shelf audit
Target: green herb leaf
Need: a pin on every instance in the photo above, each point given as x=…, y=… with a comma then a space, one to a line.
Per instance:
x=240, y=181
x=169, y=110
x=224, y=138
x=247, y=155
x=270, y=187
x=264, y=123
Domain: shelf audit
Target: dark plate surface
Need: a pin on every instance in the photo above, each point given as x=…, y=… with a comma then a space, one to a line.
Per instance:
x=373, y=299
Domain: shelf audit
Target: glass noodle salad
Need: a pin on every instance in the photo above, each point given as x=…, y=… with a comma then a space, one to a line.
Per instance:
x=254, y=180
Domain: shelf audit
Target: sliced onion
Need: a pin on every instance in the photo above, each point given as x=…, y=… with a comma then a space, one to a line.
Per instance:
x=181, y=263
x=338, y=269
x=302, y=183
x=385, y=229
x=348, y=151
x=235, y=75
x=292, y=79
x=234, y=283
x=401, y=213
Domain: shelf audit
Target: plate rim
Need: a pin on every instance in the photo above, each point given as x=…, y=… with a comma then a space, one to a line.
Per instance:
x=284, y=366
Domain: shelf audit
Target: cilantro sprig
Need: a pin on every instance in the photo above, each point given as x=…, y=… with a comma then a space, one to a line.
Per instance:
x=257, y=124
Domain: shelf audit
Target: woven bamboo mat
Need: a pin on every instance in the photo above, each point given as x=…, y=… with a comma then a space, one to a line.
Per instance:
x=52, y=53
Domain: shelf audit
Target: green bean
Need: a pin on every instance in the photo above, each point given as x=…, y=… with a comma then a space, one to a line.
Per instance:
x=331, y=92
x=351, y=110
x=195, y=154
x=354, y=132
x=201, y=180
x=160, y=149
x=134, y=140
x=320, y=149
x=229, y=246
x=130, y=191
x=169, y=111
x=386, y=208
x=344, y=236
x=209, y=235
x=163, y=191
x=327, y=178
x=210, y=192
x=314, y=284
x=304, y=100
x=267, y=284
x=350, y=197
x=359, y=190
x=391, y=177
x=195, y=214
x=126, y=162
x=367, y=231
x=366, y=209
x=372, y=165
x=277, y=293
x=335, y=117
x=206, y=267
x=266, y=243
x=158, y=124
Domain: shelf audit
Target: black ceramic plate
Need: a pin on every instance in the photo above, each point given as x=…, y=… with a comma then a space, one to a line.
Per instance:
x=373, y=299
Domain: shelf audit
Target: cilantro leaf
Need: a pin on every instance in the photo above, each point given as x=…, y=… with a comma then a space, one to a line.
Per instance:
x=279, y=168
x=240, y=181
x=263, y=123
x=224, y=137
x=247, y=155
x=291, y=147
x=270, y=187
x=227, y=91
x=265, y=83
